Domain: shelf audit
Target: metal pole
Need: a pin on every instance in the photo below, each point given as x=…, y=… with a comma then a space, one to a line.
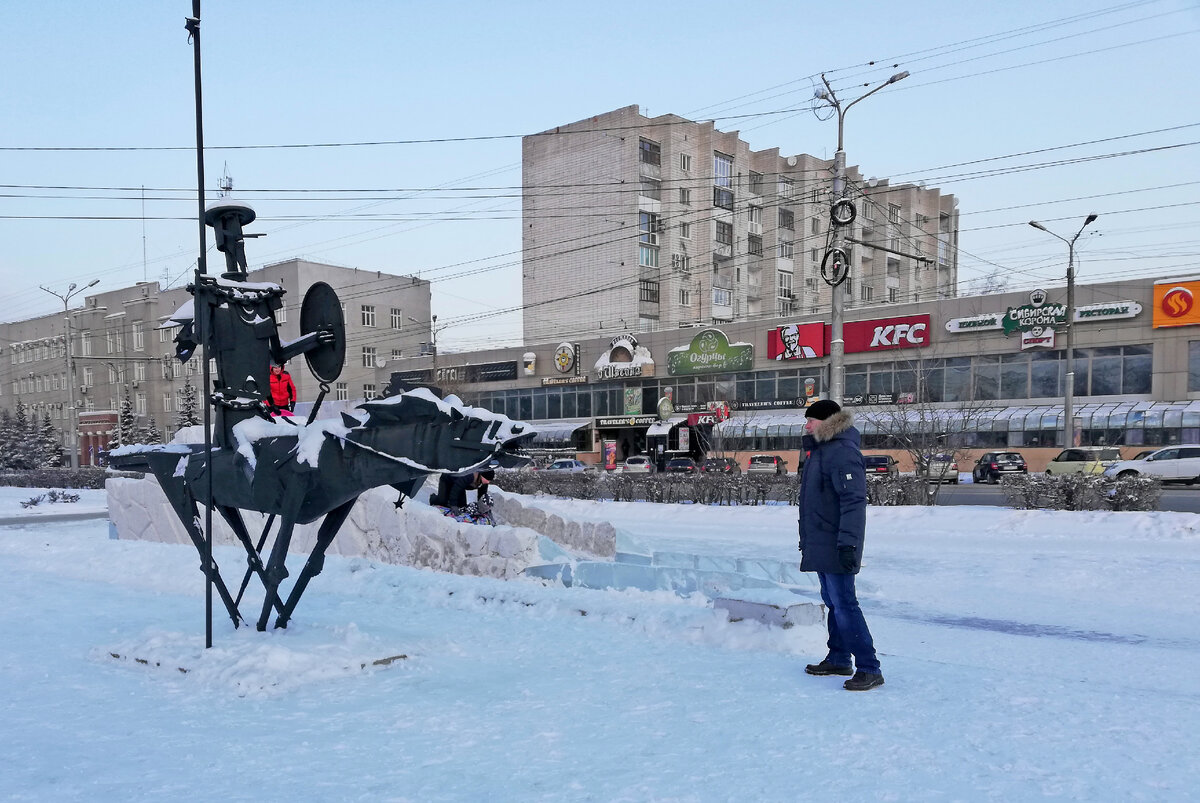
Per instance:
x=72, y=423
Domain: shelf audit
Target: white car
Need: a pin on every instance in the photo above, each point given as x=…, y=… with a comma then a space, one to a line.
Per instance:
x=566, y=466
x=638, y=464
x=1169, y=464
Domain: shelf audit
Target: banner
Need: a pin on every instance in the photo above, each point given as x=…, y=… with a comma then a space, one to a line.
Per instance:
x=1175, y=303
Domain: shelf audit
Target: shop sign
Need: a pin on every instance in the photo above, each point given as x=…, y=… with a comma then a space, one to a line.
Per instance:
x=976, y=323
x=1175, y=303
x=564, y=380
x=1036, y=315
x=808, y=340
x=796, y=341
x=624, y=359
x=710, y=352
x=1108, y=311
x=696, y=419
x=565, y=361
x=766, y=404
x=860, y=399
x=615, y=421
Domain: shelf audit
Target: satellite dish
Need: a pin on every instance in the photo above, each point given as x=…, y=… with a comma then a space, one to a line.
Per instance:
x=872, y=182
x=791, y=160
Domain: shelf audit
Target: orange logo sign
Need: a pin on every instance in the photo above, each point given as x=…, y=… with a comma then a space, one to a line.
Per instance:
x=1175, y=304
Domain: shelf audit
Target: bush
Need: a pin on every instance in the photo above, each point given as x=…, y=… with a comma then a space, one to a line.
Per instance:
x=1081, y=492
x=701, y=489
x=83, y=477
x=898, y=491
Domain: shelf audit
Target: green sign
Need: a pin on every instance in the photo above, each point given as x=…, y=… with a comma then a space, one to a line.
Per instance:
x=633, y=400
x=710, y=352
x=1037, y=314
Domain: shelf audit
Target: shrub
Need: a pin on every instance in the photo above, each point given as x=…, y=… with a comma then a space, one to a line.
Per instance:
x=1081, y=492
x=898, y=491
x=703, y=489
x=83, y=477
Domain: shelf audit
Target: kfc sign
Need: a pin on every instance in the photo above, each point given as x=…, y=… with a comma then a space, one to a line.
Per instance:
x=798, y=341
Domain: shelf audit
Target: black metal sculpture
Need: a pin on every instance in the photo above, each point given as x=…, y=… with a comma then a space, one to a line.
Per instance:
x=297, y=473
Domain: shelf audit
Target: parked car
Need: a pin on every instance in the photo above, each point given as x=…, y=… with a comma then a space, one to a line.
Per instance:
x=1144, y=453
x=1169, y=464
x=720, y=465
x=880, y=465
x=766, y=464
x=991, y=466
x=638, y=464
x=682, y=465
x=567, y=466
x=941, y=468
x=1083, y=460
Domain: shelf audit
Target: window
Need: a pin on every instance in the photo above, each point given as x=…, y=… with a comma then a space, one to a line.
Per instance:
x=139, y=371
x=816, y=195
x=814, y=255
x=810, y=284
x=722, y=297
x=341, y=392
x=139, y=403
x=397, y=318
x=281, y=315
x=685, y=298
x=368, y=392
x=787, y=219
x=814, y=226
x=113, y=341
x=786, y=249
x=722, y=169
x=893, y=295
x=168, y=402
x=754, y=245
x=685, y=162
x=756, y=183
x=893, y=213
x=784, y=284
x=368, y=315
x=722, y=199
x=650, y=152
x=685, y=196
x=648, y=291
x=648, y=256
x=865, y=293
x=88, y=380
x=651, y=188
x=368, y=356
x=113, y=375
x=685, y=231
x=866, y=209
x=681, y=262
x=724, y=233
x=139, y=336
x=649, y=226
x=943, y=252
x=920, y=220
x=85, y=345
x=397, y=354
x=785, y=187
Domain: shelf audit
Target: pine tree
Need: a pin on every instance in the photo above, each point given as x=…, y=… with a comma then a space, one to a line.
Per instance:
x=125, y=431
x=51, y=450
x=23, y=453
x=8, y=438
x=149, y=433
x=189, y=408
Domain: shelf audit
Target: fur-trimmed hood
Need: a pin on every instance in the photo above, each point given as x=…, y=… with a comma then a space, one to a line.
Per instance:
x=833, y=426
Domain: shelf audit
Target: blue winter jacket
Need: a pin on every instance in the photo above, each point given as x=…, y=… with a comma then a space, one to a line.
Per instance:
x=833, y=496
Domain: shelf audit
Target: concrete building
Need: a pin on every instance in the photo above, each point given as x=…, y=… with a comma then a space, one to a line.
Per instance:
x=633, y=223
x=118, y=347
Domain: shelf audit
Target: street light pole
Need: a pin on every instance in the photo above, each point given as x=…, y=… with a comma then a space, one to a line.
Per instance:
x=72, y=422
x=837, y=254
x=1069, y=390
x=433, y=330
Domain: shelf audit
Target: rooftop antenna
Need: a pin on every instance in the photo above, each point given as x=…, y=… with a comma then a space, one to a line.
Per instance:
x=226, y=183
x=143, y=232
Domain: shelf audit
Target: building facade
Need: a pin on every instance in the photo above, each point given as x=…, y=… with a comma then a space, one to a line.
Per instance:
x=633, y=223
x=119, y=347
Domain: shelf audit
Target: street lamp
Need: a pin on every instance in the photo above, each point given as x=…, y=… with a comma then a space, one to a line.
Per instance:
x=72, y=423
x=1069, y=391
x=841, y=270
x=433, y=330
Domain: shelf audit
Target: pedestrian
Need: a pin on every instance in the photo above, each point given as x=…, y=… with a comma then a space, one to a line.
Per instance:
x=452, y=492
x=283, y=390
x=833, y=523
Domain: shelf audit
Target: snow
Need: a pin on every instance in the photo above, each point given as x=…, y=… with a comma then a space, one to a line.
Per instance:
x=1027, y=655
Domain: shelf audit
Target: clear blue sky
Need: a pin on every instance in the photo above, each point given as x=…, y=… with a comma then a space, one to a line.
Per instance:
x=988, y=80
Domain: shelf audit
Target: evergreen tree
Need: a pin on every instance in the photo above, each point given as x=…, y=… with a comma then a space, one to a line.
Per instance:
x=8, y=438
x=149, y=433
x=189, y=407
x=125, y=431
x=51, y=450
x=23, y=453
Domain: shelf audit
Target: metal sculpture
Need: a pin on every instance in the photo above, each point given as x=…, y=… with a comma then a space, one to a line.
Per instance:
x=298, y=473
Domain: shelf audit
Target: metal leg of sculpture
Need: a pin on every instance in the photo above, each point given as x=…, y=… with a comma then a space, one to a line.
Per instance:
x=262, y=540
x=233, y=516
x=316, y=559
x=276, y=569
x=186, y=509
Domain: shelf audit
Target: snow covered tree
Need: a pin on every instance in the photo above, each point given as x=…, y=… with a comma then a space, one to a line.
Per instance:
x=8, y=437
x=21, y=452
x=125, y=432
x=49, y=446
x=189, y=407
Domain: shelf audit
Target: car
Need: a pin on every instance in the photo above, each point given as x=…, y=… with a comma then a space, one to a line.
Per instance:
x=1083, y=460
x=1143, y=454
x=991, y=466
x=682, y=465
x=720, y=465
x=880, y=465
x=941, y=468
x=566, y=466
x=766, y=464
x=1169, y=464
x=638, y=464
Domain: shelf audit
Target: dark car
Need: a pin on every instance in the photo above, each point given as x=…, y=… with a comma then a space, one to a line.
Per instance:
x=990, y=467
x=721, y=465
x=682, y=465
x=880, y=465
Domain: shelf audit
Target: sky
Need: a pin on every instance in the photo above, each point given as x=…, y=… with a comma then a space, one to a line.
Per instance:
x=1023, y=110
x=1027, y=655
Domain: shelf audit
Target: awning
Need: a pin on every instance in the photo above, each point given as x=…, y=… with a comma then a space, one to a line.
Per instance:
x=664, y=427
x=557, y=431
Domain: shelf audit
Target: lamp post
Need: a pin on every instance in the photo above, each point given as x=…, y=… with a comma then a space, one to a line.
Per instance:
x=433, y=333
x=72, y=423
x=839, y=220
x=1069, y=390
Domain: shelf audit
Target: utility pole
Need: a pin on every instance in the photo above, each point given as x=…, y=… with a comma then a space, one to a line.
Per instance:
x=72, y=420
x=1069, y=390
x=835, y=267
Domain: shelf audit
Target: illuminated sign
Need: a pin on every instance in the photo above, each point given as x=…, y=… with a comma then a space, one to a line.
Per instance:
x=1175, y=303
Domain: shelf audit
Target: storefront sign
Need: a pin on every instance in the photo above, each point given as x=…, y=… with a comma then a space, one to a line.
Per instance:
x=564, y=358
x=1175, y=303
x=976, y=323
x=1037, y=314
x=859, y=399
x=1108, y=311
x=695, y=419
x=529, y=362
x=633, y=401
x=611, y=422
x=796, y=341
x=809, y=340
x=564, y=380
x=710, y=352
x=624, y=359
x=684, y=439
x=1000, y=320
x=766, y=404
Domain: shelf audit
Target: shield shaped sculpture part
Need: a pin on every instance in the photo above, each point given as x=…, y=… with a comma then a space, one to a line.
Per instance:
x=321, y=310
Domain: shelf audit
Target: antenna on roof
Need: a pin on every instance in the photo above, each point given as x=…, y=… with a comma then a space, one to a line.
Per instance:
x=226, y=183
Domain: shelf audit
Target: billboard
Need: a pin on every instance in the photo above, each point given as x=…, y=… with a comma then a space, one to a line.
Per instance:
x=1175, y=303
x=808, y=340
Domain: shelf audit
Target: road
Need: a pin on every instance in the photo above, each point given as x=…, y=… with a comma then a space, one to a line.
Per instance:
x=1181, y=499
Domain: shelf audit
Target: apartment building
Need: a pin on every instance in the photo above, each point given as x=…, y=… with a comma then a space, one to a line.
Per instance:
x=119, y=345
x=638, y=223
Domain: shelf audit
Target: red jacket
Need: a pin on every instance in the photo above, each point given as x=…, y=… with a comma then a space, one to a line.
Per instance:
x=283, y=390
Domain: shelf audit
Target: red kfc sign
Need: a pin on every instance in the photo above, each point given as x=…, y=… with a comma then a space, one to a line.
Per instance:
x=808, y=340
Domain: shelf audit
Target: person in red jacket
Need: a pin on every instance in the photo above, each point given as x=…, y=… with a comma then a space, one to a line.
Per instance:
x=283, y=390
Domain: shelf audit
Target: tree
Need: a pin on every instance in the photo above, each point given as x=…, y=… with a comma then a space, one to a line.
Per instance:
x=21, y=452
x=189, y=407
x=988, y=284
x=125, y=432
x=49, y=446
x=8, y=438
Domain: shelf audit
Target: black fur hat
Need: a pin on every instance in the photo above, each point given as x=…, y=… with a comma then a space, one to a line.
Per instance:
x=822, y=409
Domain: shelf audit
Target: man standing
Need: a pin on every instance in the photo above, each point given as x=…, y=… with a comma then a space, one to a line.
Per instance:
x=833, y=523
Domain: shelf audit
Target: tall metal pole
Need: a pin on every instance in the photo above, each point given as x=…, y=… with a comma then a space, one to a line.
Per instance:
x=1069, y=390
x=841, y=215
x=193, y=28
x=72, y=421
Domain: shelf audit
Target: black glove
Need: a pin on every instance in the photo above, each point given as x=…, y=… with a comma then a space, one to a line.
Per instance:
x=292, y=406
x=847, y=558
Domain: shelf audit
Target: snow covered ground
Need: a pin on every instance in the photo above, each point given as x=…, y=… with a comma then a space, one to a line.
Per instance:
x=1027, y=655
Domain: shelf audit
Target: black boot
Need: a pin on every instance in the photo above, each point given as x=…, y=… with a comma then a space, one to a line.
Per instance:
x=863, y=681
x=826, y=668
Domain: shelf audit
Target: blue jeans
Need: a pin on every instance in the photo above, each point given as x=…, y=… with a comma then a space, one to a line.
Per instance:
x=848, y=633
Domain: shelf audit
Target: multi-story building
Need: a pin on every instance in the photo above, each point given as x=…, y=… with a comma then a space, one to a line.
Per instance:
x=120, y=347
x=637, y=223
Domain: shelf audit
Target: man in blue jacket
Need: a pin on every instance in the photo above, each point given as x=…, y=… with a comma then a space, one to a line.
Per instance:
x=833, y=523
